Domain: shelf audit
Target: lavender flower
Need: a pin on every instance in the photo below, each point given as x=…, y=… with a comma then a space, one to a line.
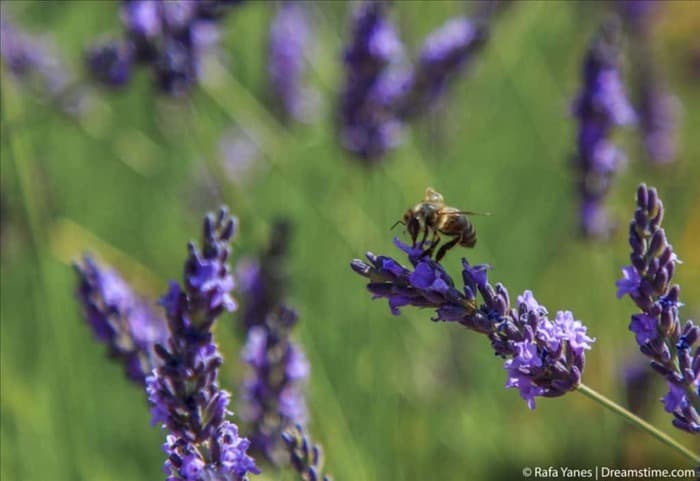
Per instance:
x=673, y=348
x=120, y=319
x=35, y=62
x=171, y=36
x=290, y=35
x=263, y=282
x=543, y=357
x=658, y=109
x=272, y=394
x=368, y=124
x=446, y=52
x=600, y=106
x=183, y=391
x=111, y=63
x=658, y=118
x=273, y=397
x=306, y=457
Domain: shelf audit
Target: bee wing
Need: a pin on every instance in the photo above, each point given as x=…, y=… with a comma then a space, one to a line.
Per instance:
x=451, y=211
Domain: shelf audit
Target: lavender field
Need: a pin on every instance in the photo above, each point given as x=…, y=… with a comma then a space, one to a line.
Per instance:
x=126, y=126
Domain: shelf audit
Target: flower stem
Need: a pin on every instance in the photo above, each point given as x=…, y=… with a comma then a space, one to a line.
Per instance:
x=661, y=436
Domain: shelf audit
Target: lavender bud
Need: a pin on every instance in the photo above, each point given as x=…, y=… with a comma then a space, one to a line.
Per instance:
x=657, y=326
x=125, y=322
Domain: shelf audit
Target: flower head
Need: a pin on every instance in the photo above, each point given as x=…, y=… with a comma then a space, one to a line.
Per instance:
x=674, y=350
x=125, y=322
x=183, y=391
x=600, y=106
x=543, y=357
x=368, y=124
x=446, y=52
x=172, y=37
x=289, y=40
x=306, y=456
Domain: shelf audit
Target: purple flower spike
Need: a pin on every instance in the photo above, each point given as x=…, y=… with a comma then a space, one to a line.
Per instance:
x=183, y=391
x=120, y=319
x=368, y=124
x=273, y=392
x=600, y=106
x=543, y=357
x=674, y=349
x=289, y=39
x=171, y=37
x=306, y=457
x=659, y=110
x=34, y=61
x=446, y=52
x=263, y=282
x=273, y=395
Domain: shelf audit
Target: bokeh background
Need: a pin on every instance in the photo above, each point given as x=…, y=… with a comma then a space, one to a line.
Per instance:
x=392, y=398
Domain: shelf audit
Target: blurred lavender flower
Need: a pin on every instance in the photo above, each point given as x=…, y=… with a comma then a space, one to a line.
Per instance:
x=184, y=394
x=674, y=349
x=637, y=381
x=446, y=52
x=35, y=62
x=600, y=106
x=120, y=319
x=306, y=457
x=543, y=357
x=273, y=397
x=263, y=282
x=171, y=36
x=111, y=63
x=373, y=82
x=289, y=39
x=658, y=110
x=658, y=117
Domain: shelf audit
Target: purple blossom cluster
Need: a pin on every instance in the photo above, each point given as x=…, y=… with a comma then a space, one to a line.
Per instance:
x=658, y=111
x=543, y=357
x=263, y=281
x=120, y=319
x=289, y=39
x=600, y=106
x=368, y=125
x=202, y=445
x=673, y=348
x=35, y=61
x=306, y=457
x=446, y=52
x=169, y=36
x=272, y=394
x=382, y=91
x=657, y=108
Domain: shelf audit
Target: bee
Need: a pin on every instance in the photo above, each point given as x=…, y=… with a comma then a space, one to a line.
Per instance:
x=432, y=217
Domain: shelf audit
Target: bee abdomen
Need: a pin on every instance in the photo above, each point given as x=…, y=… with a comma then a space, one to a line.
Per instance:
x=468, y=237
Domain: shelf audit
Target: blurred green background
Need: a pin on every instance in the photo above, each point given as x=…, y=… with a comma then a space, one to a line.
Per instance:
x=392, y=398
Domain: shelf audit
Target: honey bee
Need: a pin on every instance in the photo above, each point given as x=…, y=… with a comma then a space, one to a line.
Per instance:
x=432, y=216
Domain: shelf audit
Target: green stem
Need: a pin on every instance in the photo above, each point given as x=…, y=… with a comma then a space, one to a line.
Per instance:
x=617, y=409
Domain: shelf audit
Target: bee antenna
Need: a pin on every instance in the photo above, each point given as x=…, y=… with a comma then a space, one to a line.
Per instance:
x=397, y=223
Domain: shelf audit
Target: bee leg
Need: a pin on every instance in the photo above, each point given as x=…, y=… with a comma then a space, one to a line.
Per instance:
x=434, y=242
x=445, y=247
x=425, y=235
x=412, y=228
